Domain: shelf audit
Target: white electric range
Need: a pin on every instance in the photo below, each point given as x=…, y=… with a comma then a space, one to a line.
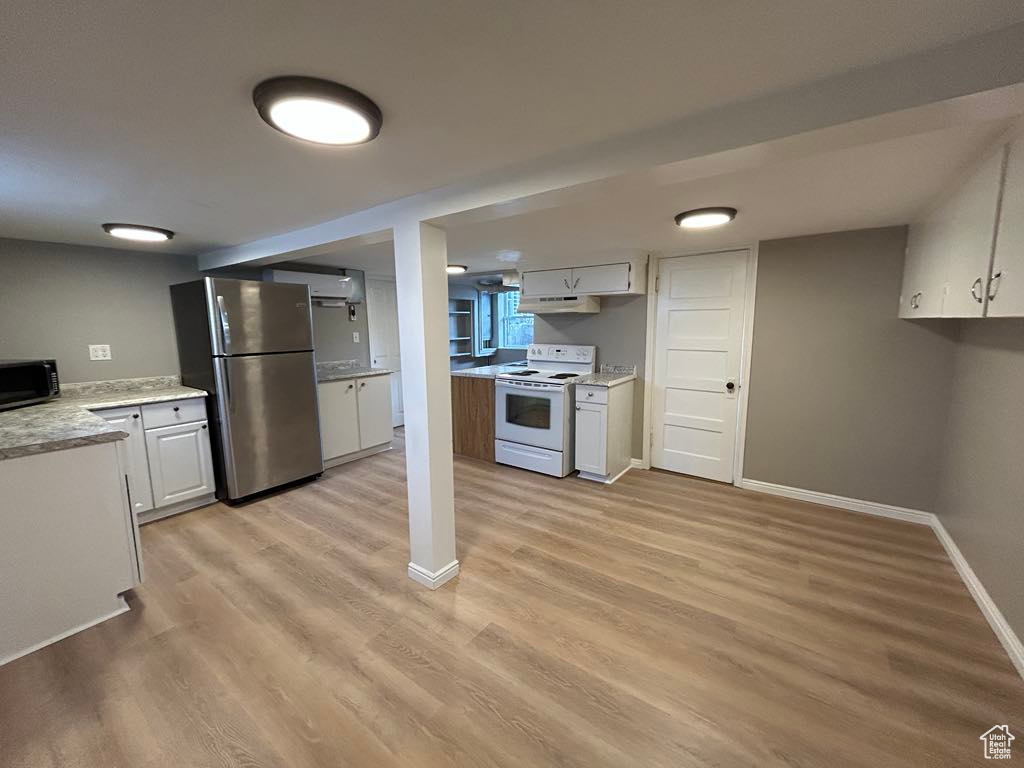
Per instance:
x=533, y=415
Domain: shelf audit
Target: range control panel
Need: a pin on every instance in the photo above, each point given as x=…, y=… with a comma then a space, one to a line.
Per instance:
x=561, y=353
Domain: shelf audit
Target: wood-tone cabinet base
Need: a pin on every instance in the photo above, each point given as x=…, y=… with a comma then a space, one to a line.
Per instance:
x=473, y=417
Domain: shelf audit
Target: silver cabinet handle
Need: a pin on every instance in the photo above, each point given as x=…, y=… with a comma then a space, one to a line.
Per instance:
x=590, y=394
x=974, y=287
x=915, y=300
x=575, y=283
x=566, y=281
x=993, y=285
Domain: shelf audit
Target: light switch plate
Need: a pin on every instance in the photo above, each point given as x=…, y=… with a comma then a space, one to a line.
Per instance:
x=355, y=336
x=99, y=352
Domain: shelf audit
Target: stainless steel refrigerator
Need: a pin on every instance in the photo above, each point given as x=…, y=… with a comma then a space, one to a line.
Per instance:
x=250, y=345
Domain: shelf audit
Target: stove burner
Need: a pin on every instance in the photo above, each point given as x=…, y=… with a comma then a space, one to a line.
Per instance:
x=563, y=375
x=521, y=373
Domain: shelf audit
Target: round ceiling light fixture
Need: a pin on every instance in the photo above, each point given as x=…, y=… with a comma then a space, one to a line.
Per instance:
x=455, y=269
x=319, y=111
x=138, y=232
x=705, y=218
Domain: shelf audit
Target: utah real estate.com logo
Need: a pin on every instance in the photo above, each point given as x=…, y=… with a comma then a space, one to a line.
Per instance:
x=997, y=742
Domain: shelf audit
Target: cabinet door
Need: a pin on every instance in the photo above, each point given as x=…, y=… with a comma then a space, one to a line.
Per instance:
x=339, y=418
x=1006, y=291
x=180, y=467
x=133, y=454
x=592, y=438
x=607, y=278
x=924, y=272
x=374, y=411
x=547, y=282
x=971, y=215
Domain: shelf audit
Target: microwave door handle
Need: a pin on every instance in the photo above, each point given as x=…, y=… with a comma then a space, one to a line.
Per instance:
x=225, y=326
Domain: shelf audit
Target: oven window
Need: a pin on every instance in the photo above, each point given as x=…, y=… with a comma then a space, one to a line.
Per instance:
x=528, y=411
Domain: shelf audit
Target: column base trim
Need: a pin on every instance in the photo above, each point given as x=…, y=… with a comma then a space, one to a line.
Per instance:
x=433, y=579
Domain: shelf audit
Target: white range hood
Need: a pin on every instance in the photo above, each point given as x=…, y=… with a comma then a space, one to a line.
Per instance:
x=560, y=304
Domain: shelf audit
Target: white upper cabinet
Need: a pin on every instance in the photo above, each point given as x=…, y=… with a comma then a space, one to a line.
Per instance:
x=971, y=214
x=949, y=251
x=625, y=277
x=547, y=282
x=1006, y=289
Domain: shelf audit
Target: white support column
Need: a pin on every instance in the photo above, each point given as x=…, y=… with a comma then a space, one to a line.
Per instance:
x=421, y=255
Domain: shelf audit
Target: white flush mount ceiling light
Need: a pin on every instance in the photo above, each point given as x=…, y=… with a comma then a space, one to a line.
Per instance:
x=455, y=269
x=705, y=218
x=138, y=232
x=319, y=111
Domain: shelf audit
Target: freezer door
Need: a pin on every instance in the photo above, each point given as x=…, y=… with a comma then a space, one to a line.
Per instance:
x=270, y=428
x=249, y=317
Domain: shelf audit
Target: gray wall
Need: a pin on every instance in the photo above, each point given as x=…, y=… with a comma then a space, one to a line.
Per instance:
x=57, y=299
x=845, y=398
x=332, y=334
x=619, y=333
x=981, y=493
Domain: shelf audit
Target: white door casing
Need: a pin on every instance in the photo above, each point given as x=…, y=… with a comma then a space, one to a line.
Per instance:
x=385, y=351
x=698, y=351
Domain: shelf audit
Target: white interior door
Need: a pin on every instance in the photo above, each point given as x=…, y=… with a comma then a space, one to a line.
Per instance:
x=382, y=319
x=698, y=348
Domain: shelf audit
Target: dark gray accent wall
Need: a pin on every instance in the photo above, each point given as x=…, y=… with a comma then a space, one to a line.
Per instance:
x=619, y=333
x=332, y=334
x=57, y=299
x=981, y=491
x=845, y=398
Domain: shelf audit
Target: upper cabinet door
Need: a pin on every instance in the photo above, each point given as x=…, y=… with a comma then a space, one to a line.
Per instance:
x=250, y=317
x=607, y=278
x=968, y=224
x=1006, y=289
x=547, y=282
x=924, y=271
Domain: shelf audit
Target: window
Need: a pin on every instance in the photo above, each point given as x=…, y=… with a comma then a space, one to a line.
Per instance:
x=515, y=330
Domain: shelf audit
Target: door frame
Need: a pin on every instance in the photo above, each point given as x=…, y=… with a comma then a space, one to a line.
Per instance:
x=746, y=349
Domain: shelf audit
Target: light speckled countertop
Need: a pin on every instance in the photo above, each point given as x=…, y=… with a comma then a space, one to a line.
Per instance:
x=603, y=379
x=67, y=422
x=339, y=374
x=489, y=371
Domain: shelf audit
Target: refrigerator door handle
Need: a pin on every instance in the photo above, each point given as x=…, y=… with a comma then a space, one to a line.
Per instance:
x=225, y=327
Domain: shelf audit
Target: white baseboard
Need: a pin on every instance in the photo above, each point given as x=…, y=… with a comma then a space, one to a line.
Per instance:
x=123, y=608
x=603, y=478
x=433, y=579
x=639, y=464
x=1012, y=644
x=337, y=461
x=1005, y=634
x=841, y=502
x=152, y=515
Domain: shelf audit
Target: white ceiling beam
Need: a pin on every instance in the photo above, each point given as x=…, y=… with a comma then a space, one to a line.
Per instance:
x=980, y=63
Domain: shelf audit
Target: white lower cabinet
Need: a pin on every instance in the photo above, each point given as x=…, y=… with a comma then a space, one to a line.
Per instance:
x=167, y=457
x=592, y=438
x=604, y=430
x=133, y=454
x=180, y=465
x=355, y=416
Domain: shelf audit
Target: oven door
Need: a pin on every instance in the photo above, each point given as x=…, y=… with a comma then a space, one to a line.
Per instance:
x=530, y=414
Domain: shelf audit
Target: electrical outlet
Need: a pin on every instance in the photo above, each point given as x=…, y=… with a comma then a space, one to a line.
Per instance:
x=99, y=352
x=355, y=336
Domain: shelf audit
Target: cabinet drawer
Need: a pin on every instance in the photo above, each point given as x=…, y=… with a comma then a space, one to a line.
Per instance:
x=174, y=412
x=588, y=394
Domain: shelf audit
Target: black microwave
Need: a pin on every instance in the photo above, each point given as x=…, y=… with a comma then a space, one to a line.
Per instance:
x=24, y=382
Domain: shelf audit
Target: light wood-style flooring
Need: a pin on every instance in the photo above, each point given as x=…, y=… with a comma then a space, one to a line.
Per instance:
x=662, y=621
